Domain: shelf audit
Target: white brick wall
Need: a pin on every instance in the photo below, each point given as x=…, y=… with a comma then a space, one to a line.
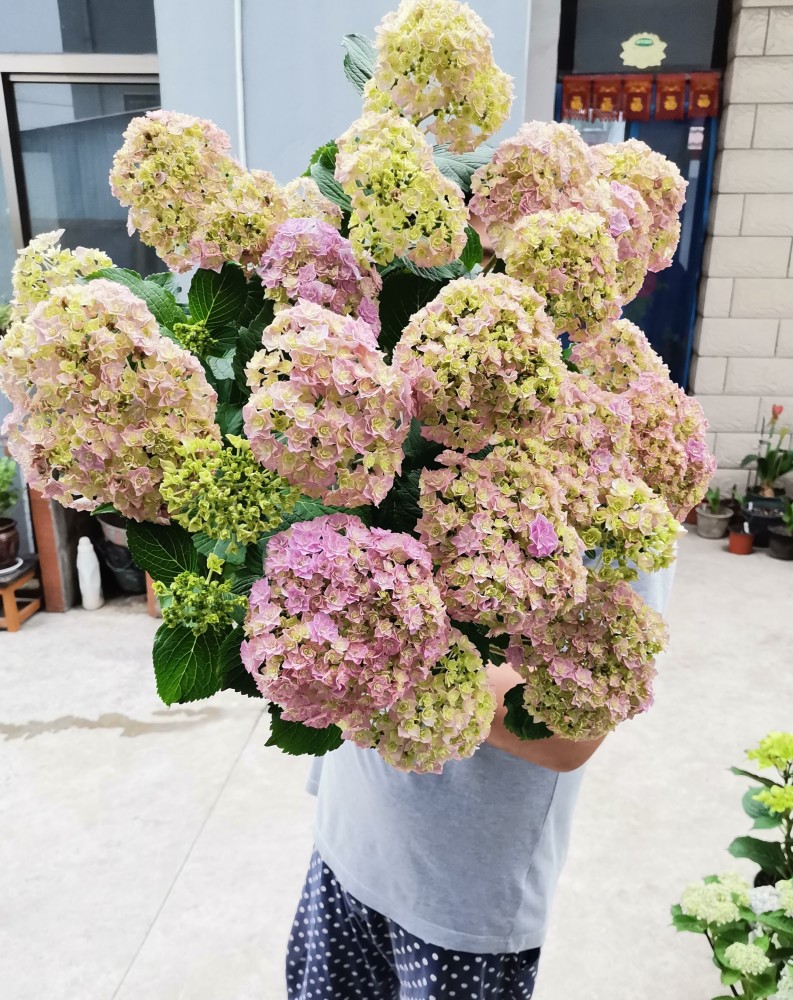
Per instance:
x=743, y=345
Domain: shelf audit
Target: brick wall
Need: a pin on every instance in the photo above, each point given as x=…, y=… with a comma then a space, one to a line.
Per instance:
x=743, y=347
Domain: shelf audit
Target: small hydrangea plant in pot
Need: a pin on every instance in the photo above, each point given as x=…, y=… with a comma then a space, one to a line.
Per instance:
x=9, y=534
x=713, y=516
x=750, y=927
x=780, y=536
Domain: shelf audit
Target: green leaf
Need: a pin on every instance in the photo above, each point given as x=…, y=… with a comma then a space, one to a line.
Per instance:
x=227, y=549
x=329, y=186
x=298, y=739
x=730, y=977
x=518, y=721
x=755, y=777
x=162, y=551
x=776, y=921
x=161, y=302
x=763, y=818
x=448, y=272
x=235, y=675
x=683, y=922
x=359, y=60
x=472, y=254
x=104, y=508
x=165, y=280
x=748, y=459
x=223, y=367
x=229, y=419
x=254, y=301
x=765, y=984
x=400, y=510
x=459, y=167
x=767, y=854
x=186, y=666
x=217, y=298
x=402, y=295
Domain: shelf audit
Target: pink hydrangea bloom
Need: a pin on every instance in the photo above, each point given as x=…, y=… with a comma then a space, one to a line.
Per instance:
x=308, y=259
x=496, y=564
x=660, y=184
x=326, y=412
x=591, y=667
x=614, y=354
x=346, y=622
x=100, y=399
x=533, y=171
x=669, y=447
x=483, y=359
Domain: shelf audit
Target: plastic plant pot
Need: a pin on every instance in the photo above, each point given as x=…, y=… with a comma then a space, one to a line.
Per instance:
x=780, y=542
x=741, y=543
x=710, y=525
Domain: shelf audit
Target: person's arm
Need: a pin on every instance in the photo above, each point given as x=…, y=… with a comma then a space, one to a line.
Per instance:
x=554, y=753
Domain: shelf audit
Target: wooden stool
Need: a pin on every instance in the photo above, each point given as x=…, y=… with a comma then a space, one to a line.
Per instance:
x=17, y=608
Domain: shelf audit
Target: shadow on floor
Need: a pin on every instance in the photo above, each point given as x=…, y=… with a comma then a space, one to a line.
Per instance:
x=188, y=718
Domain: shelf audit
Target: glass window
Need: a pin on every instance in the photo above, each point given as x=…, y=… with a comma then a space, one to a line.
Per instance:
x=68, y=133
x=77, y=26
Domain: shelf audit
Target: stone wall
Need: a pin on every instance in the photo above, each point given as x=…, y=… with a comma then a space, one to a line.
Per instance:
x=743, y=360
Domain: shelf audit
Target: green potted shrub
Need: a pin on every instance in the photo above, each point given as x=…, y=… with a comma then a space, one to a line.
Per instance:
x=780, y=536
x=713, y=515
x=9, y=535
x=750, y=927
x=772, y=460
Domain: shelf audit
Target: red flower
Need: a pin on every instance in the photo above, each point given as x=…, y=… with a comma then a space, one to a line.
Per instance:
x=776, y=412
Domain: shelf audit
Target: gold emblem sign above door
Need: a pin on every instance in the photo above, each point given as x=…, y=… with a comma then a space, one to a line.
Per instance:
x=643, y=50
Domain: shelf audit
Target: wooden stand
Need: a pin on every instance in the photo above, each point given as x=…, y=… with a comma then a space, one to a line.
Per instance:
x=17, y=608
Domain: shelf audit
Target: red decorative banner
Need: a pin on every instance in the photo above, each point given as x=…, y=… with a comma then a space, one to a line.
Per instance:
x=670, y=96
x=576, y=97
x=607, y=97
x=703, y=95
x=638, y=95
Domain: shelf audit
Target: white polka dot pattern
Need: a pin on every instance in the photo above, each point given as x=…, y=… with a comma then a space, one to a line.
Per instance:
x=341, y=950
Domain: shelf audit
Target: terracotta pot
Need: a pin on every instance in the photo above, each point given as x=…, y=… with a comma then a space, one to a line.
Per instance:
x=780, y=542
x=691, y=516
x=9, y=542
x=741, y=543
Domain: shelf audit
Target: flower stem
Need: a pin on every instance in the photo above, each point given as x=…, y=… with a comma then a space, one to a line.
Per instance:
x=735, y=993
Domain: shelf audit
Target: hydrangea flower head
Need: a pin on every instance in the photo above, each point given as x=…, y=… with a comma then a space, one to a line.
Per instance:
x=346, y=622
x=304, y=200
x=198, y=603
x=716, y=902
x=775, y=750
x=100, y=399
x=784, y=988
x=747, y=959
x=434, y=60
x=615, y=354
x=326, y=412
x=785, y=890
x=764, y=899
x=308, y=259
x=483, y=358
x=777, y=800
x=533, y=171
x=570, y=258
x=402, y=205
x=592, y=666
x=224, y=492
x=42, y=266
x=497, y=532
x=658, y=181
x=445, y=717
x=668, y=441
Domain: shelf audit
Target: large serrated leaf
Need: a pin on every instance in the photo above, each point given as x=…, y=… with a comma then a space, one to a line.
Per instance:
x=161, y=302
x=235, y=675
x=162, y=551
x=217, y=298
x=329, y=186
x=297, y=739
x=186, y=666
x=472, y=254
x=446, y=272
x=755, y=777
x=359, y=60
x=460, y=167
x=767, y=854
x=518, y=721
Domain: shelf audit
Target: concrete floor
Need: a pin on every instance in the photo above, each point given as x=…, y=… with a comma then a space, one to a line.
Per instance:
x=157, y=853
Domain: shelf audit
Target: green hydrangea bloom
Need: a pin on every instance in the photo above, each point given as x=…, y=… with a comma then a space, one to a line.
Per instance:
x=785, y=890
x=778, y=800
x=224, y=492
x=775, y=750
x=716, y=902
x=193, y=337
x=199, y=603
x=747, y=959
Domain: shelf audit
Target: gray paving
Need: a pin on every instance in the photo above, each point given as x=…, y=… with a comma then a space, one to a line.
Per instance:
x=157, y=853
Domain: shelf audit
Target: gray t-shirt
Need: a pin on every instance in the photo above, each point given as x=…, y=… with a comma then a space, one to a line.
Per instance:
x=467, y=859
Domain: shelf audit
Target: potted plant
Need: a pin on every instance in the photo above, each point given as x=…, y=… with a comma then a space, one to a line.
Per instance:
x=773, y=459
x=780, y=536
x=9, y=535
x=750, y=927
x=713, y=516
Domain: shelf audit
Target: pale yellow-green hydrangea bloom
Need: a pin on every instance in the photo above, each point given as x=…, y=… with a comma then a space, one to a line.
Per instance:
x=778, y=800
x=775, y=750
x=199, y=603
x=716, y=902
x=42, y=265
x=445, y=717
x=402, y=205
x=785, y=890
x=304, y=200
x=223, y=491
x=747, y=959
x=435, y=61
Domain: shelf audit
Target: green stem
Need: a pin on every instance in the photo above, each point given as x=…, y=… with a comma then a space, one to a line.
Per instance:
x=735, y=993
x=490, y=264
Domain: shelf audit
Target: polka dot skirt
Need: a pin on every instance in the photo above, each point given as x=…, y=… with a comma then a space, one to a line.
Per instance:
x=341, y=950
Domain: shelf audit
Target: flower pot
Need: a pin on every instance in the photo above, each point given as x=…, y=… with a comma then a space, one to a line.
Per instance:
x=780, y=542
x=9, y=542
x=761, y=515
x=114, y=528
x=754, y=495
x=741, y=543
x=691, y=516
x=710, y=525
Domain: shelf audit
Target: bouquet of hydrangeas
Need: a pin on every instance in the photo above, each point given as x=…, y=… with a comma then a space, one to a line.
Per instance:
x=360, y=463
